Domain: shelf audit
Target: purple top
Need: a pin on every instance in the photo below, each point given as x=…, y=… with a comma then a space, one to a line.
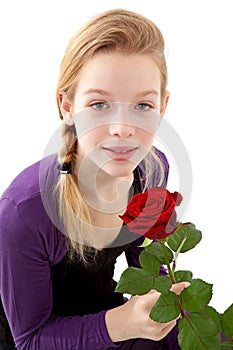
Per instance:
x=31, y=249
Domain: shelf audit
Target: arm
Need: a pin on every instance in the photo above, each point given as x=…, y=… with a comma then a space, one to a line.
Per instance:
x=26, y=293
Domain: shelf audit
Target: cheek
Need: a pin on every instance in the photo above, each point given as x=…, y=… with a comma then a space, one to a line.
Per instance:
x=145, y=138
x=148, y=126
x=91, y=137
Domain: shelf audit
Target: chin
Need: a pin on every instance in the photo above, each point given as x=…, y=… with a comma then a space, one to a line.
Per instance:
x=116, y=171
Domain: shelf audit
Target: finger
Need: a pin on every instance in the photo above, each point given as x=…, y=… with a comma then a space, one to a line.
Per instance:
x=178, y=287
x=152, y=291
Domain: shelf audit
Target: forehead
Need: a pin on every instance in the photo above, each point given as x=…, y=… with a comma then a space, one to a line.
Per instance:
x=117, y=72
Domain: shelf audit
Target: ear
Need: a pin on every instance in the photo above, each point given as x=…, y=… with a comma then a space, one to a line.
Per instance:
x=164, y=105
x=65, y=108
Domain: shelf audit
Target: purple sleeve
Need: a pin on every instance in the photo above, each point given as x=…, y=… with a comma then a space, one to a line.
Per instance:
x=26, y=293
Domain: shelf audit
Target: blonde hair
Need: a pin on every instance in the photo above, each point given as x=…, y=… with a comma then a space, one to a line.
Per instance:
x=112, y=31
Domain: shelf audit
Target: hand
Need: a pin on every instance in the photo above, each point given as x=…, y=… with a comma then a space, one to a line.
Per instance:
x=132, y=320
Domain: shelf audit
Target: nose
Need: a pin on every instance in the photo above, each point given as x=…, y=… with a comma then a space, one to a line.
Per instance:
x=121, y=129
x=121, y=123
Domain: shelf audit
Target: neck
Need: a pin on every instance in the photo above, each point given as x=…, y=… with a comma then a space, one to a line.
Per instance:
x=102, y=192
x=112, y=189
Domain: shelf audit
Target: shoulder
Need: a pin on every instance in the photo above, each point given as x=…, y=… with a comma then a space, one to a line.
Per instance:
x=24, y=219
x=31, y=181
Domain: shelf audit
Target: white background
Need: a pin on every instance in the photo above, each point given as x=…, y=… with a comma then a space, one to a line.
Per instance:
x=198, y=36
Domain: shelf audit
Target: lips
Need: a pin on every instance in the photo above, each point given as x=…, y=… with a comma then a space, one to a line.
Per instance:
x=120, y=153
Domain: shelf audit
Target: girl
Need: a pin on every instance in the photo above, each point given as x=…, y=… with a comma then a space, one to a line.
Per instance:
x=60, y=231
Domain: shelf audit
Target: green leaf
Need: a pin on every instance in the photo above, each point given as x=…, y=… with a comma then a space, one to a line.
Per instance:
x=166, y=308
x=185, y=237
x=196, y=296
x=226, y=346
x=149, y=263
x=162, y=284
x=146, y=242
x=227, y=321
x=183, y=276
x=155, y=249
x=135, y=281
x=198, y=332
x=214, y=316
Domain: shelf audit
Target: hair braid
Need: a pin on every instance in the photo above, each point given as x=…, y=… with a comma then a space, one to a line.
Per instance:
x=73, y=209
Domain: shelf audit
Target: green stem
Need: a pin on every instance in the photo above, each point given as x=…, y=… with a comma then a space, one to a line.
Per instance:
x=182, y=312
x=173, y=266
x=170, y=272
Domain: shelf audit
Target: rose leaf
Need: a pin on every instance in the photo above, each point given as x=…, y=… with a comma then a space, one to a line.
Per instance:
x=156, y=250
x=227, y=321
x=162, y=284
x=135, y=281
x=201, y=330
x=166, y=308
x=149, y=262
x=213, y=315
x=185, y=238
x=183, y=276
x=226, y=346
x=196, y=296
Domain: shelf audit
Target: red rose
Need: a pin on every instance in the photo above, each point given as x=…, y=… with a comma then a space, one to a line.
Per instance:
x=152, y=213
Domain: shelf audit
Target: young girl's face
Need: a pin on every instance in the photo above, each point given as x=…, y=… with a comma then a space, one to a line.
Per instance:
x=116, y=111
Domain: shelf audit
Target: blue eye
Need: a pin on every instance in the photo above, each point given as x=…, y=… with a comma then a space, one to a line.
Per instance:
x=143, y=107
x=100, y=106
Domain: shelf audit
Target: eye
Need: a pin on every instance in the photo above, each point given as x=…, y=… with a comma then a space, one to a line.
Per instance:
x=143, y=107
x=99, y=106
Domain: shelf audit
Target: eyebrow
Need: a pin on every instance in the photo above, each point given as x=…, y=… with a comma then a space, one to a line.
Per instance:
x=106, y=93
x=97, y=91
x=147, y=92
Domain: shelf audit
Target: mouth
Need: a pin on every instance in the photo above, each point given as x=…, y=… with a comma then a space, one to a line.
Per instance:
x=120, y=153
